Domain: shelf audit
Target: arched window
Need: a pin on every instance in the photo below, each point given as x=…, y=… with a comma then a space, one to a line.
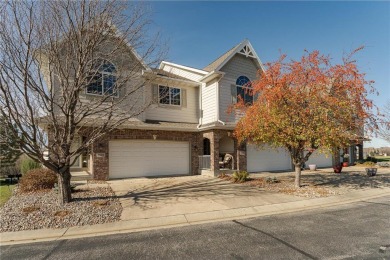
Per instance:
x=244, y=89
x=206, y=146
x=103, y=79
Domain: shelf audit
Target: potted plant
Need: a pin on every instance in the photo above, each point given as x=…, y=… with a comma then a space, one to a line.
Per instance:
x=345, y=160
x=337, y=168
x=312, y=167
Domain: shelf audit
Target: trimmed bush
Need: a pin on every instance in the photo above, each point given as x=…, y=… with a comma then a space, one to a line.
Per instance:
x=28, y=164
x=38, y=179
x=241, y=176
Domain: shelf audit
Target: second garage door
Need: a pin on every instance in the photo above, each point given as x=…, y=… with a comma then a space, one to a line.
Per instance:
x=142, y=158
x=320, y=159
x=267, y=159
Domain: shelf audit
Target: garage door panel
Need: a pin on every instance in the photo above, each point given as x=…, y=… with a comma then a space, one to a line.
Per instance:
x=267, y=159
x=140, y=158
x=320, y=159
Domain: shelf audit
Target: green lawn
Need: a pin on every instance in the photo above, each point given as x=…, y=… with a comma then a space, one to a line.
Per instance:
x=383, y=158
x=5, y=191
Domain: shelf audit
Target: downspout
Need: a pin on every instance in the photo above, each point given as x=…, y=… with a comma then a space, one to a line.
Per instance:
x=200, y=106
x=217, y=90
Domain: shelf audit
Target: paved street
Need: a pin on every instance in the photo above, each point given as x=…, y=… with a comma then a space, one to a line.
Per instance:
x=354, y=231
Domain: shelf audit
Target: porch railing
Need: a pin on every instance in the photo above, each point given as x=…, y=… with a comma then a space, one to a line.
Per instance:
x=204, y=161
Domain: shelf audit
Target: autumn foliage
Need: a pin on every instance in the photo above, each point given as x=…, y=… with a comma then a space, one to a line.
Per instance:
x=307, y=104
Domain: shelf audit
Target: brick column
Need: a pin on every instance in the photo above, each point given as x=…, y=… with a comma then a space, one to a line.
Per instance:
x=214, y=137
x=241, y=157
x=214, y=153
x=100, y=159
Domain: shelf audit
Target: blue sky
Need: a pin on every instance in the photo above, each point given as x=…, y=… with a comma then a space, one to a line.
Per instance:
x=199, y=32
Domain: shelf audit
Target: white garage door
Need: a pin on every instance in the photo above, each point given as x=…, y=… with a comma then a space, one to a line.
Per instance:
x=267, y=159
x=140, y=158
x=320, y=159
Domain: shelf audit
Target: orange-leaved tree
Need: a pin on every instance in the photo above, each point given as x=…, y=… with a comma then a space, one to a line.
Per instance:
x=307, y=104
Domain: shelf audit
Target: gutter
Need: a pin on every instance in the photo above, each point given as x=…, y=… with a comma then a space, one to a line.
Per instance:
x=200, y=106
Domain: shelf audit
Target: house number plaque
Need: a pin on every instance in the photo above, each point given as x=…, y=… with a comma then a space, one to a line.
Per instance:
x=100, y=155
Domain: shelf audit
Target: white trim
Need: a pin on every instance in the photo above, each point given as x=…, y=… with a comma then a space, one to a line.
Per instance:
x=182, y=67
x=212, y=75
x=188, y=82
x=237, y=50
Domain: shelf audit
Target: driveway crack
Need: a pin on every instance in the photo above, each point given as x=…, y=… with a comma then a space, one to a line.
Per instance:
x=278, y=239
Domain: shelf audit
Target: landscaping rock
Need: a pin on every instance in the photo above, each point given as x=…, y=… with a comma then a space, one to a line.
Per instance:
x=42, y=210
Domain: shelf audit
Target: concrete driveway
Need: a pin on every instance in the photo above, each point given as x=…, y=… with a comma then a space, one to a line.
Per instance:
x=159, y=197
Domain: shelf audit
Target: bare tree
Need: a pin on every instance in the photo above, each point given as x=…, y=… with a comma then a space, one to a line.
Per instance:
x=384, y=126
x=70, y=69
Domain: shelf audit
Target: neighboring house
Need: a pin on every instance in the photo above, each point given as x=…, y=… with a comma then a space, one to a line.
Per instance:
x=188, y=130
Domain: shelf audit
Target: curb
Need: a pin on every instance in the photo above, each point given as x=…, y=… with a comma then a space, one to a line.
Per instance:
x=137, y=225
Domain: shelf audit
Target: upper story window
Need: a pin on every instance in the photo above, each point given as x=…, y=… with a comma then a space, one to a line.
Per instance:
x=244, y=89
x=169, y=95
x=103, y=80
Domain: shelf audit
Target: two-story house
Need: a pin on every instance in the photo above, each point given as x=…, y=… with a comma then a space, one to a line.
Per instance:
x=188, y=130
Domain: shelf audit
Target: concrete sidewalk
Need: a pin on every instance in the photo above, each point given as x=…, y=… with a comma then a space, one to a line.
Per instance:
x=205, y=216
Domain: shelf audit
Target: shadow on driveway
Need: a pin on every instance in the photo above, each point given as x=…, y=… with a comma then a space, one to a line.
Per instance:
x=144, y=198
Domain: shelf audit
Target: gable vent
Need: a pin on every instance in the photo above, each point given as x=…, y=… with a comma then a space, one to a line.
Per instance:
x=247, y=52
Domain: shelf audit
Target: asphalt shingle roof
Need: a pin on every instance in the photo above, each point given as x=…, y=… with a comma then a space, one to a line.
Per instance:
x=215, y=64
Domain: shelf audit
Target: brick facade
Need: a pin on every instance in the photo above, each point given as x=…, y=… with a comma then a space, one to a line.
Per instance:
x=100, y=149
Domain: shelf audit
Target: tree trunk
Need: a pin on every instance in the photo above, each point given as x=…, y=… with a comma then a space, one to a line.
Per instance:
x=64, y=190
x=297, y=175
x=336, y=155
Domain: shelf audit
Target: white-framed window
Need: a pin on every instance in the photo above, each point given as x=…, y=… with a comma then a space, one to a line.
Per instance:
x=169, y=96
x=103, y=80
x=244, y=90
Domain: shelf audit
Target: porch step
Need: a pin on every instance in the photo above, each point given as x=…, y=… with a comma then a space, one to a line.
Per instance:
x=81, y=176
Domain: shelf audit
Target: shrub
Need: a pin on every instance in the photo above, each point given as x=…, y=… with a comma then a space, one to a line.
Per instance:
x=368, y=163
x=241, y=176
x=371, y=159
x=38, y=179
x=28, y=164
x=272, y=180
x=360, y=161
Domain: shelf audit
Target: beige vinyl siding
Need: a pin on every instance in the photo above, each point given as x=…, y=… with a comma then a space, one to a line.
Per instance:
x=133, y=103
x=209, y=102
x=239, y=65
x=187, y=113
x=183, y=73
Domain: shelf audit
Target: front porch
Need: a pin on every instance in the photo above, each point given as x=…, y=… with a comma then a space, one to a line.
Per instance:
x=220, y=152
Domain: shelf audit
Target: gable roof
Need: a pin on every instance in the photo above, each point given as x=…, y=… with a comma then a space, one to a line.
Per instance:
x=244, y=48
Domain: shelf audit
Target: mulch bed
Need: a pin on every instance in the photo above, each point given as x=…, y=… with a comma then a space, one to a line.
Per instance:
x=316, y=185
